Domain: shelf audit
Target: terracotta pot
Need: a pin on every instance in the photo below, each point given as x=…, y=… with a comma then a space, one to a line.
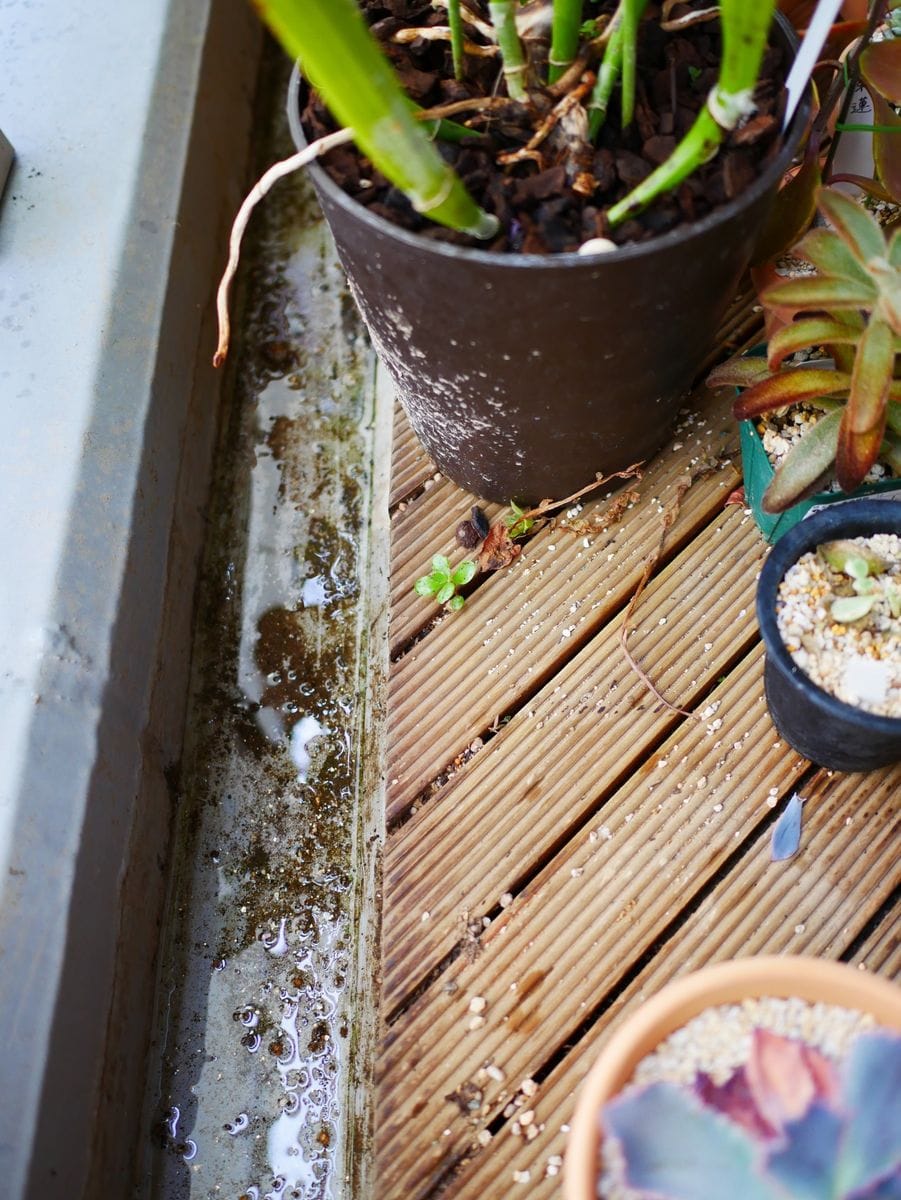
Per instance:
x=524, y=375
x=809, y=979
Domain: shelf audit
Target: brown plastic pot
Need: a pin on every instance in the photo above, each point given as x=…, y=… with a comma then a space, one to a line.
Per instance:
x=524, y=375
x=809, y=979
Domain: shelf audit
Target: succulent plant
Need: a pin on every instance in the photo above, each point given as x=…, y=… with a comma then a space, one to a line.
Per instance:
x=787, y=1125
x=444, y=581
x=851, y=306
x=860, y=565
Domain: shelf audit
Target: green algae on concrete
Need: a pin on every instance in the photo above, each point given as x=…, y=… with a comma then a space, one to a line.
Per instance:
x=266, y=979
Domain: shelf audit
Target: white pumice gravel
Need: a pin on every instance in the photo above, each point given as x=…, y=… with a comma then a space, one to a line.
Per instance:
x=858, y=662
x=781, y=430
x=718, y=1041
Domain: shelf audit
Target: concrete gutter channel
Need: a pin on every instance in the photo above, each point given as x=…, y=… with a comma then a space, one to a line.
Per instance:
x=190, y=800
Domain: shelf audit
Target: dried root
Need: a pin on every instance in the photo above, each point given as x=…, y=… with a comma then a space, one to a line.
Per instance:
x=278, y=171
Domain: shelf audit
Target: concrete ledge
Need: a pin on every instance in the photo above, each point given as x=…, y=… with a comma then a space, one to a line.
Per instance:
x=132, y=125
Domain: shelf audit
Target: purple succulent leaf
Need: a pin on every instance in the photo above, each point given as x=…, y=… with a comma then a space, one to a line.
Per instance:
x=790, y=386
x=871, y=1147
x=735, y=1100
x=676, y=1149
x=809, y=331
x=781, y=1079
x=804, y=464
x=857, y=227
x=805, y=1162
x=831, y=256
x=886, y=1189
x=786, y=837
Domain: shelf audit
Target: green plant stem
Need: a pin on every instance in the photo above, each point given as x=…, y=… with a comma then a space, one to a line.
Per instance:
x=608, y=73
x=632, y=10
x=841, y=127
x=745, y=27
x=503, y=18
x=699, y=144
x=455, y=22
x=345, y=64
x=567, y=20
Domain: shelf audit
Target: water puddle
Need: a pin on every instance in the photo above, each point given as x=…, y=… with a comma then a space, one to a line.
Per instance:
x=256, y=1089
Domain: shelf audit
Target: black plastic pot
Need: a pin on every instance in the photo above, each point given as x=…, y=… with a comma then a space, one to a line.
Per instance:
x=822, y=728
x=524, y=375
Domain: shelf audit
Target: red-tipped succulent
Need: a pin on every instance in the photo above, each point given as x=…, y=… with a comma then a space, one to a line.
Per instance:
x=851, y=306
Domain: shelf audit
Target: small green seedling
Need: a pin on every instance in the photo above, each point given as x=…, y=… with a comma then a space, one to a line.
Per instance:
x=860, y=565
x=444, y=581
x=518, y=524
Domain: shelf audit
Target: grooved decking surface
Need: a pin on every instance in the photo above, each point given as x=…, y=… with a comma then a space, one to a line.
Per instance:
x=559, y=843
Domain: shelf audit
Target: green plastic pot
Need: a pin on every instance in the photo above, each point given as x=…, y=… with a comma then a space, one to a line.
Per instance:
x=758, y=473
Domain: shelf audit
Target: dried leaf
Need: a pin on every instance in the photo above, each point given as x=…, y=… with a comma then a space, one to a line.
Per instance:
x=498, y=549
x=786, y=837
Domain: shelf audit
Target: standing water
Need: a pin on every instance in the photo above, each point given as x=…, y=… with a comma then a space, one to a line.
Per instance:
x=265, y=1012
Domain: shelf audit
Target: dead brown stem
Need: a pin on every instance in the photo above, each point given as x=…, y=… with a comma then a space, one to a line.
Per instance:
x=546, y=506
x=452, y=109
x=569, y=101
x=442, y=33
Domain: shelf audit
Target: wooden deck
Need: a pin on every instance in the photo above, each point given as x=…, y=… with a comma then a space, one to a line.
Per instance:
x=560, y=844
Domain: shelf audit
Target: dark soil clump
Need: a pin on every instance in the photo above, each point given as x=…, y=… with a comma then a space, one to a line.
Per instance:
x=555, y=198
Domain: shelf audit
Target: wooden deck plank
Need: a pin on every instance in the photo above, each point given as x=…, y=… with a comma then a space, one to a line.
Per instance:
x=602, y=900
x=547, y=770
x=410, y=465
x=881, y=952
x=515, y=631
x=753, y=912
x=423, y=528
x=561, y=845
